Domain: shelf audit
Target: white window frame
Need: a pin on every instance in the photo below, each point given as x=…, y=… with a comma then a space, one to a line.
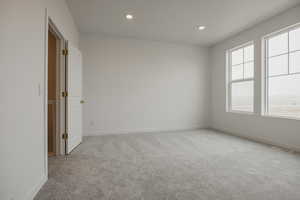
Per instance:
x=229, y=81
x=265, y=68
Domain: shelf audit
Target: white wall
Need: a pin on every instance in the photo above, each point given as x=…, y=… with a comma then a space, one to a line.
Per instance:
x=22, y=62
x=283, y=132
x=142, y=86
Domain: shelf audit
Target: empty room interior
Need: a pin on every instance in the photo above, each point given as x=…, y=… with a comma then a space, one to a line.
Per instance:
x=150, y=100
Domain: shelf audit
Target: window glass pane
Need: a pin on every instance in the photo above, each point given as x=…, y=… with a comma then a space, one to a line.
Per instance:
x=242, y=96
x=295, y=40
x=278, y=65
x=278, y=44
x=249, y=53
x=249, y=70
x=295, y=62
x=284, y=96
x=237, y=57
x=237, y=72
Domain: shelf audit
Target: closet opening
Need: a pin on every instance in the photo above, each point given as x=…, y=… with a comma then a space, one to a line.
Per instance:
x=56, y=81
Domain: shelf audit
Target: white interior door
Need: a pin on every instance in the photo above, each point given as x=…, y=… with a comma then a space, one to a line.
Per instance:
x=74, y=106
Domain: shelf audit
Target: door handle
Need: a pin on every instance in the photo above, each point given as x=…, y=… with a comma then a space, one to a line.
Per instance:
x=82, y=102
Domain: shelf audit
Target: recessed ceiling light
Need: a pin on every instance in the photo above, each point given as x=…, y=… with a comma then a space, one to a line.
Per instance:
x=201, y=28
x=129, y=16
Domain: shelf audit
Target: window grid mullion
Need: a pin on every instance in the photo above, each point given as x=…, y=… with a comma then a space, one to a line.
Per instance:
x=278, y=55
x=282, y=54
x=230, y=83
x=288, y=52
x=267, y=78
x=244, y=63
x=250, y=61
x=243, y=80
x=282, y=75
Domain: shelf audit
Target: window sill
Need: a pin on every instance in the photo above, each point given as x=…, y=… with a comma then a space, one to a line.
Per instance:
x=280, y=117
x=263, y=115
x=240, y=112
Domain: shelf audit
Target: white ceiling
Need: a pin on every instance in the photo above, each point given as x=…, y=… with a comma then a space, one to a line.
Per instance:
x=174, y=20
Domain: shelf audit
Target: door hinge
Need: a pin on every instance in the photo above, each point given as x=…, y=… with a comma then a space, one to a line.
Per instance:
x=65, y=52
x=65, y=136
x=64, y=94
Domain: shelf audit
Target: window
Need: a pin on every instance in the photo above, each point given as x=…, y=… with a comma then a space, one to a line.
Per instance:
x=241, y=78
x=282, y=73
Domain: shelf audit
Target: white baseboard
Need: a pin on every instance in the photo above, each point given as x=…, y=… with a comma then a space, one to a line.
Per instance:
x=146, y=130
x=261, y=140
x=36, y=188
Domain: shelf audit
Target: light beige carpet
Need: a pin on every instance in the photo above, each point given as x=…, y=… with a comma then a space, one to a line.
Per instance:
x=195, y=165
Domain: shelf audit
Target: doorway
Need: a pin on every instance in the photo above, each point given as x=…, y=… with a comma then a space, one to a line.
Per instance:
x=56, y=83
x=63, y=99
x=52, y=93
